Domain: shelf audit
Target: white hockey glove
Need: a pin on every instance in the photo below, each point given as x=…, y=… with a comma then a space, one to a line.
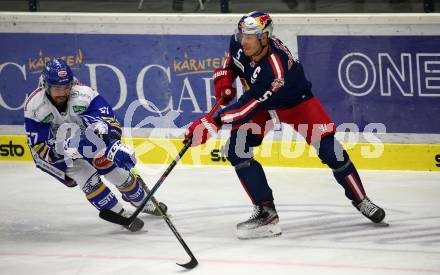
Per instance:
x=69, y=150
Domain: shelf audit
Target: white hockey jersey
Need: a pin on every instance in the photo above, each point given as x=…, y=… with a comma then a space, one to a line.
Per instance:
x=42, y=121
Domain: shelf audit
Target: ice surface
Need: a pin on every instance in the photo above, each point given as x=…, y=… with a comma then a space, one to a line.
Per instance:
x=47, y=228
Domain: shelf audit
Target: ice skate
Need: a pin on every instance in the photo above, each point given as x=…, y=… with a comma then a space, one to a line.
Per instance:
x=262, y=223
x=150, y=208
x=371, y=211
x=136, y=225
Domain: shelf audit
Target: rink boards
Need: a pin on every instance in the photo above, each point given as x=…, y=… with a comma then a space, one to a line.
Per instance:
x=374, y=73
x=421, y=157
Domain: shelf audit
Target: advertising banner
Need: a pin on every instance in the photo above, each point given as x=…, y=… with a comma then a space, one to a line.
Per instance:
x=167, y=77
x=393, y=80
x=165, y=81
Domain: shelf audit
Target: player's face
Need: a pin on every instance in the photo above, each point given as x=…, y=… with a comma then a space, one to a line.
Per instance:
x=250, y=44
x=60, y=94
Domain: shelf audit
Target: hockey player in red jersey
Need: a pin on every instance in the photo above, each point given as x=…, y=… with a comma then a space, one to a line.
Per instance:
x=277, y=88
x=61, y=104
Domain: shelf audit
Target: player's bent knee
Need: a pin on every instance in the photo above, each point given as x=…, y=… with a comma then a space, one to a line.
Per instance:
x=81, y=172
x=235, y=159
x=331, y=152
x=92, y=184
x=244, y=164
x=127, y=184
x=117, y=176
x=236, y=154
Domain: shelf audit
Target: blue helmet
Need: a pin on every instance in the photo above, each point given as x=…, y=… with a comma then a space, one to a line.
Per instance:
x=255, y=23
x=57, y=73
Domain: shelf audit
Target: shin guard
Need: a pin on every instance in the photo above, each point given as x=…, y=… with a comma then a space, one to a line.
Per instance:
x=348, y=177
x=333, y=154
x=100, y=196
x=254, y=181
x=133, y=190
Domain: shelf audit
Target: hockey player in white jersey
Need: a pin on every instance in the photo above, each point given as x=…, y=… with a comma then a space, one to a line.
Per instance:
x=74, y=136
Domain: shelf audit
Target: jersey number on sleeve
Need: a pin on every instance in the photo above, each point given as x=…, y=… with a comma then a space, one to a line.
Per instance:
x=32, y=137
x=104, y=110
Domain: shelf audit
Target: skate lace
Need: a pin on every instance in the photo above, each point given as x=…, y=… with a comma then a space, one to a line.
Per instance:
x=150, y=207
x=125, y=214
x=367, y=207
x=256, y=213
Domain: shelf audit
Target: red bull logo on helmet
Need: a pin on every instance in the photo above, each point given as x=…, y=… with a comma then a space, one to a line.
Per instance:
x=263, y=20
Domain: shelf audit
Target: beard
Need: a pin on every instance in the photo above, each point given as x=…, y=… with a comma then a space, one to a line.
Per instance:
x=60, y=100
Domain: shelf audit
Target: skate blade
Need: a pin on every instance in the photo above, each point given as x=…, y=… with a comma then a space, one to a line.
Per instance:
x=258, y=237
x=267, y=231
x=381, y=224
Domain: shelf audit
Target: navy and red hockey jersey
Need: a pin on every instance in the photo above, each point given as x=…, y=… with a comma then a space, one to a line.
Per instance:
x=276, y=82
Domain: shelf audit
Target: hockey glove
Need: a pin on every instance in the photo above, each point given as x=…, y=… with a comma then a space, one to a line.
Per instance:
x=87, y=144
x=46, y=151
x=223, y=79
x=201, y=130
x=101, y=128
x=121, y=155
x=70, y=148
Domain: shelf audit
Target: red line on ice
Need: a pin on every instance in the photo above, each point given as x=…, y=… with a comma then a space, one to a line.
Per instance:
x=224, y=261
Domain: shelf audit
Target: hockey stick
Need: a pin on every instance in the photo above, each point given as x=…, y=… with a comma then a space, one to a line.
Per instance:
x=193, y=262
x=113, y=217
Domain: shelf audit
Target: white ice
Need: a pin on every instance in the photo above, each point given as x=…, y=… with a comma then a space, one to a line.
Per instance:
x=47, y=228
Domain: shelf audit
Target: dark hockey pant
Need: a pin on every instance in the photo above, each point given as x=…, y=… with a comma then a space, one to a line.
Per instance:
x=311, y=121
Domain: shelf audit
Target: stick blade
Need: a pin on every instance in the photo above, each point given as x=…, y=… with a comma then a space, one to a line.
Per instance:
x=191, y=264
x=113, y=217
